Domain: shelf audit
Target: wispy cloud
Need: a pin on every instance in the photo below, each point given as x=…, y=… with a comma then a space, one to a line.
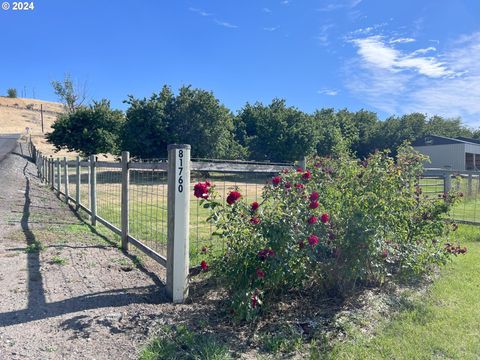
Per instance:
x=376, y=53
x=397, y=81
x=401, y=40
x=266, y=10
x=323, y=36
x=329, y=92
x=225, y=24
x=199, y=11
x=271, y=29
x=342, y=4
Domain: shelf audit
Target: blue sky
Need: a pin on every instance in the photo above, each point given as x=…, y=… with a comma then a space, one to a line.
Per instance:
x=392, y=57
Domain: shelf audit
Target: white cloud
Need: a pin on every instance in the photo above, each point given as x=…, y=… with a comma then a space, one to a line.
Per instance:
x=341, y=4
x=399, y=82
x=225, y=24
x=323, y=35
x=271, y=29
x=402, y=40
x=375, y=52
x=199, y=11
x=267, y=10
x=329, y=92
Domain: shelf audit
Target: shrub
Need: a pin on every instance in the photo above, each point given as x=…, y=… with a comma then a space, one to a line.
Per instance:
x=12, y=93
x=88, y=130
x=338, y=224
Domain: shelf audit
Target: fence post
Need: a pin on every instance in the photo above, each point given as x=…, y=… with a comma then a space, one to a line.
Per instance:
x=303, y=163
x=65, y=173
x=447, y=183
x=52, y=173
x=124, y=206
x=59, y=180
x=78, y=184
x=93, y=190
x=469, y=185
x=178, y=221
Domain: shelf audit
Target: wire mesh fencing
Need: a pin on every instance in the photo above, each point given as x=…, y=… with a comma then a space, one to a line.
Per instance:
x=467, y=185
x=249, y=184
x=108, y=193
x=148, y=192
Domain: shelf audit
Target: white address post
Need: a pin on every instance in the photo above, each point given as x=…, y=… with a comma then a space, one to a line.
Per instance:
x=178, y=221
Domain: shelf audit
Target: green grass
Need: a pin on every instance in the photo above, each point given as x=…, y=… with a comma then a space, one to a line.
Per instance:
x=182, y=344
x=58, y=260
x=444, y=324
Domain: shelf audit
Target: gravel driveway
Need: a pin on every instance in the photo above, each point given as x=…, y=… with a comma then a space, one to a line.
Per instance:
x=66, y=291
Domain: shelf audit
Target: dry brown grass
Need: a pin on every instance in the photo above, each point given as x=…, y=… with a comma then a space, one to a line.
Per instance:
x=16, y=115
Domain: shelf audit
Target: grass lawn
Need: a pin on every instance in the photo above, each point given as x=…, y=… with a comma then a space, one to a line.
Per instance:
x=444, y=324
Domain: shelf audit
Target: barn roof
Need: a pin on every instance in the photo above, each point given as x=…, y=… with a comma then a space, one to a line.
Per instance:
x=429, y=140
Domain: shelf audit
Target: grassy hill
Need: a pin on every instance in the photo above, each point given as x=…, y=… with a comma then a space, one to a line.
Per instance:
x=22, y=116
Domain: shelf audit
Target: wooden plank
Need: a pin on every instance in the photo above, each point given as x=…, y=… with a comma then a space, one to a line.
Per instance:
x=107, y=164
x=149, y=166
x=152, y=253
x=236, y=168
x=109, y=225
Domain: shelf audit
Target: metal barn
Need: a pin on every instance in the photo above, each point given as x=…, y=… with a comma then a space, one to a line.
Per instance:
x=448, y=153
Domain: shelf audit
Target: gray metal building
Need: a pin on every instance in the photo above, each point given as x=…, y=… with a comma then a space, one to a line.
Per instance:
x=448, y=153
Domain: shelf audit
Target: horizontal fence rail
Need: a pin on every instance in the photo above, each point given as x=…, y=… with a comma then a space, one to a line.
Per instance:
x=141, y=201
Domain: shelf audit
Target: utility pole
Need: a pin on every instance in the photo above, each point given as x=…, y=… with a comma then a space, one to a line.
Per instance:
x=41, y=115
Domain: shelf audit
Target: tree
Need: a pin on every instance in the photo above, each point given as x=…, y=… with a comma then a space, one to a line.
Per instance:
x=145, y=132
x=12, y=93
x=275, y=132
x=70, y=94
x=192, y=117
x=89, y=130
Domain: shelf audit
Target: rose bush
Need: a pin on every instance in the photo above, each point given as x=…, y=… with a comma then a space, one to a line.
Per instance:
x=337, y=224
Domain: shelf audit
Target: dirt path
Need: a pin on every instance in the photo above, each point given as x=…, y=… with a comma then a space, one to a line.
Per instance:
x=77, y=298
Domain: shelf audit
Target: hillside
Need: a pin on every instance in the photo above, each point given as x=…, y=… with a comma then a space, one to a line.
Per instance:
x=16, y=115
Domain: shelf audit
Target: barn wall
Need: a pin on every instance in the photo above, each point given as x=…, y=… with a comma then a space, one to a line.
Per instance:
x=441, y=156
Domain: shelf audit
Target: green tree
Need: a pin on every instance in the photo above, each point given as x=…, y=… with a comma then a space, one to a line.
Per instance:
x=89, y=130
x=275, y=132
x=145, y=133
x=197, y=118
x=70, y=94
x=12, y=93
x=192, y=117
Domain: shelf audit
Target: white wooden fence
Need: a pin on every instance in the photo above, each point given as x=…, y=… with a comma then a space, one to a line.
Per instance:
x=56, y=172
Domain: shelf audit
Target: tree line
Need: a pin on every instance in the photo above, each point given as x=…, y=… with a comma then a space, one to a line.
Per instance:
x=274, y=132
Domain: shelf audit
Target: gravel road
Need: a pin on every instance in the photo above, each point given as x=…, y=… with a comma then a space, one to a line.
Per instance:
x=77, y=298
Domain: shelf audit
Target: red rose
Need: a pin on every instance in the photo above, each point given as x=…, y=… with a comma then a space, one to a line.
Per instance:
x=265, y=253
x=200, y=190
x=299, y=186
x=204, y=265
x=314, y=196
x=288, y=185
x=306, y=175
x=324, y=218
x=313, y=205
x=299, y=169
x=255, y=220
x=312, y=220
x=254, y=301
x=276, y=180
x=233, y=197
x=255, y=206
x=313, y=240
x=260, y=273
